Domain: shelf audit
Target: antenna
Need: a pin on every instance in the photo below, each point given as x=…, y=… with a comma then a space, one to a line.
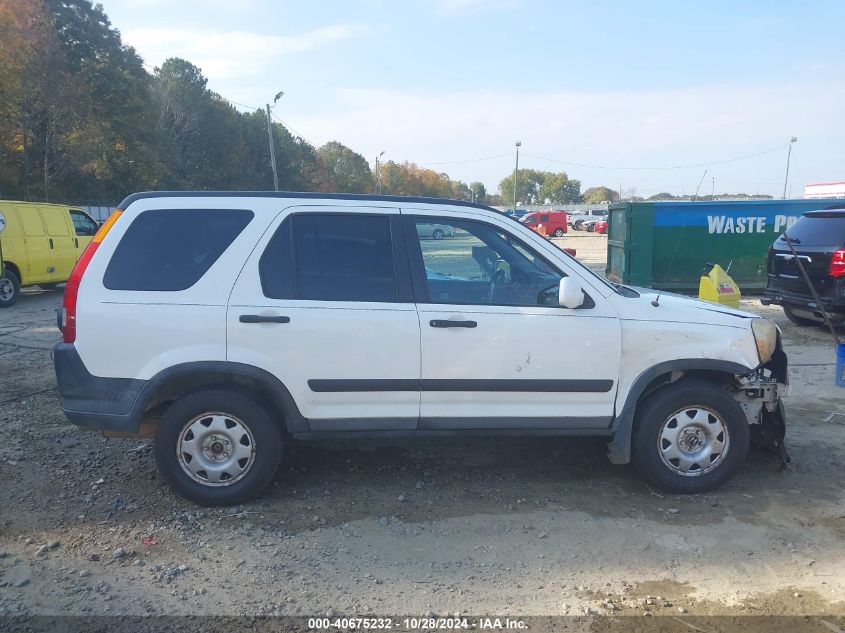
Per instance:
x=656, y=301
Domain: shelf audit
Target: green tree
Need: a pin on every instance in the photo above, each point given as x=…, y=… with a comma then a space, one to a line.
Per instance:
x=558, y=188
x=596, y=195
x=345, y=170
x=117, y=112
x=528, y=184
x=479, y=192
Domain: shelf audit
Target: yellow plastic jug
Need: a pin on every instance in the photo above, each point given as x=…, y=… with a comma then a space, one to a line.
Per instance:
x=717, y=286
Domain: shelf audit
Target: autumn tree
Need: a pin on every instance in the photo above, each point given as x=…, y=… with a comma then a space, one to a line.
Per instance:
x=345, y=170
x=596, y=195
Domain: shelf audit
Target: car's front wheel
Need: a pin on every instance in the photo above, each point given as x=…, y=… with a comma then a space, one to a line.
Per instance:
x=578, y=225
x=438, y=234
x=689, y=437
x=559, y=233
x=218, y=447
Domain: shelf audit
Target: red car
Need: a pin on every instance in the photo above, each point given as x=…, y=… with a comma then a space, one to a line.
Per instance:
x=547, y=222
x=601, y=227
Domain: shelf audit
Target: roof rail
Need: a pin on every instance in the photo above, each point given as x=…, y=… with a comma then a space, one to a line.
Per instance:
x=361, y=197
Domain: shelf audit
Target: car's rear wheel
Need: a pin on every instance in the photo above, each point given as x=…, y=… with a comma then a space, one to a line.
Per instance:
x=438, y=234
x=690, y=437
x=218, y=447
x=10, y=288
x=559, y=233
x=799, y=320
x=578, y=225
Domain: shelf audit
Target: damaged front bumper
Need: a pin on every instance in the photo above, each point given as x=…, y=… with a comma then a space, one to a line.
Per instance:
x=760, y=395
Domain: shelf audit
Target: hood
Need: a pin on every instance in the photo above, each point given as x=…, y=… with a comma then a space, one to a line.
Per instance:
x=675, y=307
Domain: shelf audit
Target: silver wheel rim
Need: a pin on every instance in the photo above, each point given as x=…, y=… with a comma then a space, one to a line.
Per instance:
x=693, y=441
x=7, y=289
x=215, y=449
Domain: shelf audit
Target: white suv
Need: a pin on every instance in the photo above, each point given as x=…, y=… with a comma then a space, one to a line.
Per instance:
x=226, y=324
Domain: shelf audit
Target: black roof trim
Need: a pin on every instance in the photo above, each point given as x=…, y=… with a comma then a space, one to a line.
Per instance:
x=307, y=195
x=829, y=212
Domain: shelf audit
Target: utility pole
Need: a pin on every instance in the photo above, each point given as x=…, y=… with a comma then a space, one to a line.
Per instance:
x=515, y=174
x=378, y=172
x=713, y=188
x=270, y=137
x=788, y=156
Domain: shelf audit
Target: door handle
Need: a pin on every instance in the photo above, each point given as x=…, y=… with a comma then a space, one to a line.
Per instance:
x=51, y=242
x=261, y=318
x=448, y=323
x=76, y=242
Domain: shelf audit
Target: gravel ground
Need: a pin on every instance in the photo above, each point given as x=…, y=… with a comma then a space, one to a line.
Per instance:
x=534, y=526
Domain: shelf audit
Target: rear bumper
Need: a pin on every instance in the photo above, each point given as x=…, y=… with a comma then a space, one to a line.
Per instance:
x=92, y=402
x=780, y=297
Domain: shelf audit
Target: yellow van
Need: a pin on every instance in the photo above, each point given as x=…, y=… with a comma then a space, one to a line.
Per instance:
x=39, y=244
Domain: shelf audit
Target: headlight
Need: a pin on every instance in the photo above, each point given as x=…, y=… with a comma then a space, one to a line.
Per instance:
x=766, y=336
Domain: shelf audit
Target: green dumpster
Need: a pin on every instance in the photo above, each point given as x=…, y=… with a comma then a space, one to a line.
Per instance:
x=667, y=244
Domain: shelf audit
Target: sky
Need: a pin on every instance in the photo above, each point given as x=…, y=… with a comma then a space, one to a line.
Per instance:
x=646, y=95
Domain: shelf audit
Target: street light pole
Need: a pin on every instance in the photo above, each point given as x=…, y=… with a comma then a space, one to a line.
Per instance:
x=515, y=174
x=788, y=156
x=270, y=137
x=378, y=172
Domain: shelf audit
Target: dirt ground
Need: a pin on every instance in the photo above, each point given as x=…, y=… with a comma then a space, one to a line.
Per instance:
x=523, y=527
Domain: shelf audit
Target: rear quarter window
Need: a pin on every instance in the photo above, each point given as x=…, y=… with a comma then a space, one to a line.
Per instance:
x=171, y=249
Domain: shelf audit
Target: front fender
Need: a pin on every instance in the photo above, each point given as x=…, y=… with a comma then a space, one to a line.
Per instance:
x=619, y=448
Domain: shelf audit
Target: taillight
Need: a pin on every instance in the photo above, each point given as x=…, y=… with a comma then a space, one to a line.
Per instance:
x=72, y=288
x=837, y=263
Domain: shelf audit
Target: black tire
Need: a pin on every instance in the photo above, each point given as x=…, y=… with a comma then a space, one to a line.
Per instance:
x=438, y=234
x=578, y=225
x=266, y=441
x=559, y=233
x=797, y=320
x=661, y=407
x=10, y=288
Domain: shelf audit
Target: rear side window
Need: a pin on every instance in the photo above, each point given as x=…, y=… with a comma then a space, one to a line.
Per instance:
x=331, y=257
x=818, y=230
x=171, y=249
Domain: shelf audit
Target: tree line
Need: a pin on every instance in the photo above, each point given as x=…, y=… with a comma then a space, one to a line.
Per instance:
x=82, y=119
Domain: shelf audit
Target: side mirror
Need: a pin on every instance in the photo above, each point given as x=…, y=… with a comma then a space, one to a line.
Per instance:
x=569, y=294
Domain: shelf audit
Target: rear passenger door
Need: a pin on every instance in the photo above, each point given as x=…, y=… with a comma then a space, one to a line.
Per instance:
x=324, y=304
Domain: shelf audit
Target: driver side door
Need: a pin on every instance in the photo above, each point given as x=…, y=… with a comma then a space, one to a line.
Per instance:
x=497, y=351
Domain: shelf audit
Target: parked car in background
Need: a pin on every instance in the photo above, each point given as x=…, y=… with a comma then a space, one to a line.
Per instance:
x=516, y=213
x=818, y=238
x=40, y=244
x=577, y=221
x=435, y=231
x=547, y=222
x=600, y=227
x=228, y=324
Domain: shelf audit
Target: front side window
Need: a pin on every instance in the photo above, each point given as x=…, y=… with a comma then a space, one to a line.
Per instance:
x=171, y=249
x=83, y=225
x=343, y=257
x=483, y=265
